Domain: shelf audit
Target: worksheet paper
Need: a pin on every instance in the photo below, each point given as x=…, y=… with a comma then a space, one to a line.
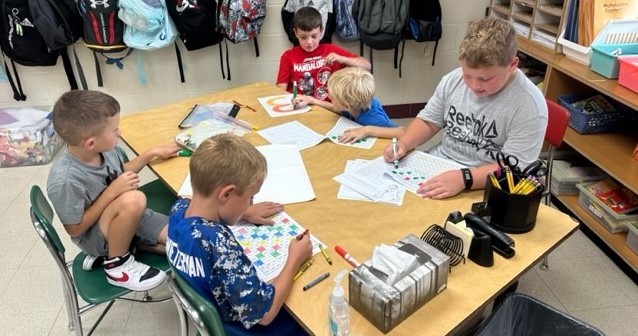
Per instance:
x=287, y=181
x=348, y=193
x=267, y=245
x=280, y=106
x=295, y=132
x=414, y=169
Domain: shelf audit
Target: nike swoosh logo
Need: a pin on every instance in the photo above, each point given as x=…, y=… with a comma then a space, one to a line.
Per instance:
x=123, y=278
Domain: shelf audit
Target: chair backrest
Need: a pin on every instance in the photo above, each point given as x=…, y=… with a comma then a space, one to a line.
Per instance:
x=203, y=313
x=557, y=121
x=42, y=219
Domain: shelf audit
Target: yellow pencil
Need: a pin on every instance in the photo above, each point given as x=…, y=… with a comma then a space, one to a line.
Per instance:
x=510, y=179
x=494, y=180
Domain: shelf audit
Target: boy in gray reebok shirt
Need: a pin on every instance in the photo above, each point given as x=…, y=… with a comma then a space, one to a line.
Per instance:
x=485, y=106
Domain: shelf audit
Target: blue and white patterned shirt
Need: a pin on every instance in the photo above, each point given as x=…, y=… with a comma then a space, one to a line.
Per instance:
x=207, y=255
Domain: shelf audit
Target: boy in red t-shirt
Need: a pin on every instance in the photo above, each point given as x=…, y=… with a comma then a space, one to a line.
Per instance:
x=310, y=64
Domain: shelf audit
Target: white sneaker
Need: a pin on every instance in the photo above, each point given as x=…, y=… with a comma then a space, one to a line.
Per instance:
x=90, y=262
x=128, y=273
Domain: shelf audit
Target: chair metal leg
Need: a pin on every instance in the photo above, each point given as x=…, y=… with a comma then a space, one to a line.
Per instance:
x=544, y=264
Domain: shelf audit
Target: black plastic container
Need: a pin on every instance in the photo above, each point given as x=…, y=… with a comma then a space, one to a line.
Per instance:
x=512, y=213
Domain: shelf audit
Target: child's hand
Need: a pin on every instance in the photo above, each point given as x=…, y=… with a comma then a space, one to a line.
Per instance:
x=167, y=150
x=299, y=250
x=444, y=185
x=259, y=213
x=127, y=181
x=388, y=153
x=302, y=101
x=333, y=58
x=354, y=134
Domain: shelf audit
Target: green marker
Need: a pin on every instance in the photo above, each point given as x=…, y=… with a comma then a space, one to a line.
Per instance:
x=184, y=152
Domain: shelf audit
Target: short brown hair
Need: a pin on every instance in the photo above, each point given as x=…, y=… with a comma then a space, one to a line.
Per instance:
x=307, y=19
x=488, y=42
x=79, y=114
x=352, y=86
x=226, y=159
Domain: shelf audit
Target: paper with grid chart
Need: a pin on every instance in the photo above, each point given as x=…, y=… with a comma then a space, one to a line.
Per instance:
x=267, y=245
x=418, y=167
x=304, y=137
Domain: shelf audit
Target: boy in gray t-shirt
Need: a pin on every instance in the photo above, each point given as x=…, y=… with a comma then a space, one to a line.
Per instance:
x=484, y=107
x=95, y=194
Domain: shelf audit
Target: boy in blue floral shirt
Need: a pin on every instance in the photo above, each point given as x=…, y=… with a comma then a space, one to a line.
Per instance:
x=226, y=172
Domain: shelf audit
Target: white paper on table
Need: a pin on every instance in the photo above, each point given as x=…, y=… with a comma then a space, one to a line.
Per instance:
x=341, y=126
x=295, y=132
x=418, y=167
x=280, y=105
x=287, y=181
x=348, y=193
x=369, y=181
x=292, y=132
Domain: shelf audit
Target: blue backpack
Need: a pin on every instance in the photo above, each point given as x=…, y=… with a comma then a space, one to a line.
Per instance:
x=347, y=29
x=148, y=25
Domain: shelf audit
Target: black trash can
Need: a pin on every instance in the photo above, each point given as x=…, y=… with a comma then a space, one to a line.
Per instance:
x=522, y=315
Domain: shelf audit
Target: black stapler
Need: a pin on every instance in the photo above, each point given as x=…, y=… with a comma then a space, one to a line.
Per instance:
x=501, y=242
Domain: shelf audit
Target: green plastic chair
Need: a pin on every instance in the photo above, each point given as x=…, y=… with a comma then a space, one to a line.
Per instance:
x=190, y=304
x=158, y=196
x=92, y=286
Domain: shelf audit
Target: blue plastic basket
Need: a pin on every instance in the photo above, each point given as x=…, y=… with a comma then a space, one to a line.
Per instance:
x=585, y=123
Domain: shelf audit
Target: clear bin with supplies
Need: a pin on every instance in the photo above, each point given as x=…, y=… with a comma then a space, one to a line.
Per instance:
x=607, y=217
x=618, y=37
x=585, y=122
x=27, y=137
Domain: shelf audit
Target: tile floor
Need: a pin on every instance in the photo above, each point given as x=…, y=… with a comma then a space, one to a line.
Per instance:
x=581, y=279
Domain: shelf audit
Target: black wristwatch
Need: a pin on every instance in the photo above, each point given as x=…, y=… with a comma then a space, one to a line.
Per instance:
x=467, y=178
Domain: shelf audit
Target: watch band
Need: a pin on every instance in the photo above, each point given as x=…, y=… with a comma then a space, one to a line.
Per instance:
x=467, y=178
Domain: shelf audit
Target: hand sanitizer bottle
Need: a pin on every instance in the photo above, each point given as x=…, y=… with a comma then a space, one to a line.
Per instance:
x=338, y=309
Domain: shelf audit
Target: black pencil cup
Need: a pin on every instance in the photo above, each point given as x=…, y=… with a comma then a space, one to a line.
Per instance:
x=512, y=213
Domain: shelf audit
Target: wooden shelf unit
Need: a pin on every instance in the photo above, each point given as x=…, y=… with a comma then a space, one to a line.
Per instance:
x=537, y=20
x=612, y=152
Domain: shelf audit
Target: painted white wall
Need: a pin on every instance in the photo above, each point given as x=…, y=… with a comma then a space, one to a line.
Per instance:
x=43, y=85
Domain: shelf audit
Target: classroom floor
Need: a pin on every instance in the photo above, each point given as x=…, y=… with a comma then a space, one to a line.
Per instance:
x=581, y=279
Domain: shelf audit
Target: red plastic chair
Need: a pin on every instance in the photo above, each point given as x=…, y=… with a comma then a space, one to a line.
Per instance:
x=557, y=120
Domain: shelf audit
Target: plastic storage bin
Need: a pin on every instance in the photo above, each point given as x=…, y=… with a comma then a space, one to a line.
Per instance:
x=632, y=237
x=607, y=217
x=523, y=315
x=27, y=137
x=584, y=123
x=618, y=37
x=573, y=50
x=628, y=73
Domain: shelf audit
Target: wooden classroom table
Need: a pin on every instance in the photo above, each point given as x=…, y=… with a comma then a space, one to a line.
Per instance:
x=355, y=225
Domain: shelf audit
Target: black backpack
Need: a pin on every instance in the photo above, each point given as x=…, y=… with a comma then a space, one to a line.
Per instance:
x=36, y=33
x=196, y=22
x=381, y=25
x=288, y=12
x=424, y=23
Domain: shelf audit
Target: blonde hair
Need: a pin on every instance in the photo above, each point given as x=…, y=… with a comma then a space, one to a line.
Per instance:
x=488, y=42
x=352, y=86
x=79, y=114
x=226, y=159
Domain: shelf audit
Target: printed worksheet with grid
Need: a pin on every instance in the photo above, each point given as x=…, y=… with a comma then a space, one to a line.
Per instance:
x=418, y=167
x=267, y=245
x=344, y=124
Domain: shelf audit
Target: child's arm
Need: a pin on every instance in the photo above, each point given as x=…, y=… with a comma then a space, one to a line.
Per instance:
x=164, y=151
x=127, y=181
x=282, y=86
x=356, y=61
x=259, y=213
x=302, y=101
x=355, y=134
x=298, y=252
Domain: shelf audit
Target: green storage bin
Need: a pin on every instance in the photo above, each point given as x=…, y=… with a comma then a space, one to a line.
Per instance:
x=618, y=37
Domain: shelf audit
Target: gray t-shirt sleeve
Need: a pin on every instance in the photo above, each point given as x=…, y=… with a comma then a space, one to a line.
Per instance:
x=69, y=201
